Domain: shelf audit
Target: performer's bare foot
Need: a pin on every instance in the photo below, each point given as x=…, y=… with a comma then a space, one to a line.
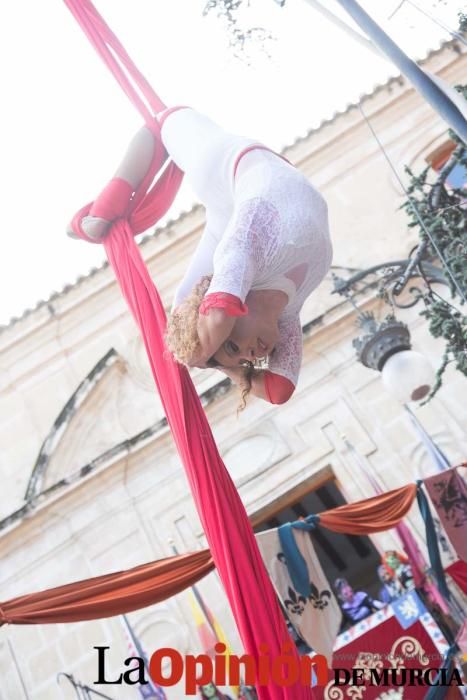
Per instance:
x=93, y=226
x=113, y=201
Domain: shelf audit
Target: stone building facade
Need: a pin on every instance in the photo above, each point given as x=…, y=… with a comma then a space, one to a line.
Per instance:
x=91, y=481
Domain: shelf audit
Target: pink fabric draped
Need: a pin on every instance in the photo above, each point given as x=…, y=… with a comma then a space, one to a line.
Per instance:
x=223, y=516
x=411, y=548
x=419, y=566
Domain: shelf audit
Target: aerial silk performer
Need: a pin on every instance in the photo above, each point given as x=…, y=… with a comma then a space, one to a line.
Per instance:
x=222, y=514
x=264, y=249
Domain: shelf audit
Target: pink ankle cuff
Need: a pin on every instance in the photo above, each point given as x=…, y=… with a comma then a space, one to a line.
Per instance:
x=113, y=201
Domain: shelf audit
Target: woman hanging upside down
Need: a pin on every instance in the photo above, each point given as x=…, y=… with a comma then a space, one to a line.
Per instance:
x=264, y=249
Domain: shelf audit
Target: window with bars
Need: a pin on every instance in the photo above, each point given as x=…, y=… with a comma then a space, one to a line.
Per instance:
x=352, y=557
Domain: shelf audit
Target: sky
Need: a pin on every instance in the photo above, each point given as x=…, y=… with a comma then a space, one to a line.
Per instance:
x=65, y=123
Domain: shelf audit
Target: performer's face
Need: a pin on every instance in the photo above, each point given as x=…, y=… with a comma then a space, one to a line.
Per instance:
x=209, y=690
x=251, y=339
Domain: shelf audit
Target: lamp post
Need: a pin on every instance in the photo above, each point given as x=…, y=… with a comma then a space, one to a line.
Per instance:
x=386, y=346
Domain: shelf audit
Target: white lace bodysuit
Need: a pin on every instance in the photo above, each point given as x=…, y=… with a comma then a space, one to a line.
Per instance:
x=266, y=227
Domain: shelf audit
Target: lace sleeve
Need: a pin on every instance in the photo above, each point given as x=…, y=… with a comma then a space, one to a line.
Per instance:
x=247, y=245
x=287, y=357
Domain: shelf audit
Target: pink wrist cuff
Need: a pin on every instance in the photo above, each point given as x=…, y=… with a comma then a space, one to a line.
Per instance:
x=222, y=300
x=113, y=201
x=278, y=389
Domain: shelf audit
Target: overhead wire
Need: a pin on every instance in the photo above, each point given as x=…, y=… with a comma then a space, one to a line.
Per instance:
x=414, y=207
x=451, y=32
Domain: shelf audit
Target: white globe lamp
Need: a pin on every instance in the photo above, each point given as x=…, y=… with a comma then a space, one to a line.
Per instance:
x=386, y=347
x=408, y=376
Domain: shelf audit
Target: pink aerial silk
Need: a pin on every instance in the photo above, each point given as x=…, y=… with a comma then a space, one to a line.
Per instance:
x=223, y=516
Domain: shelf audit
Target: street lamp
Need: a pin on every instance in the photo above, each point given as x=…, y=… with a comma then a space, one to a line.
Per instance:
x=386, y=347
x=406, y=373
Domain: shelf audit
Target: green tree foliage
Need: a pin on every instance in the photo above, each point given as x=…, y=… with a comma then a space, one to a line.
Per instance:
x=443, y=211
x=462, y=21
x=241, y=38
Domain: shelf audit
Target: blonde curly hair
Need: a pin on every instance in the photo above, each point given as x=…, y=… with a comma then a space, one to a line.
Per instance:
x=182, y=339
x=181, y=336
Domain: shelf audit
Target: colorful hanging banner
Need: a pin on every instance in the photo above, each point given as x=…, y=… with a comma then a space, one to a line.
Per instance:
x=408, y=608
x=149, y=690
x=458, y=572
x=448, y=493
x=210, y=631
x=316, y=616
x=369, y=657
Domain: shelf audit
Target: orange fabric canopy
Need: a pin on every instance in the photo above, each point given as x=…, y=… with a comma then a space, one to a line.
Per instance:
x=371, y=515
x=109, y=595
x=124, y=591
